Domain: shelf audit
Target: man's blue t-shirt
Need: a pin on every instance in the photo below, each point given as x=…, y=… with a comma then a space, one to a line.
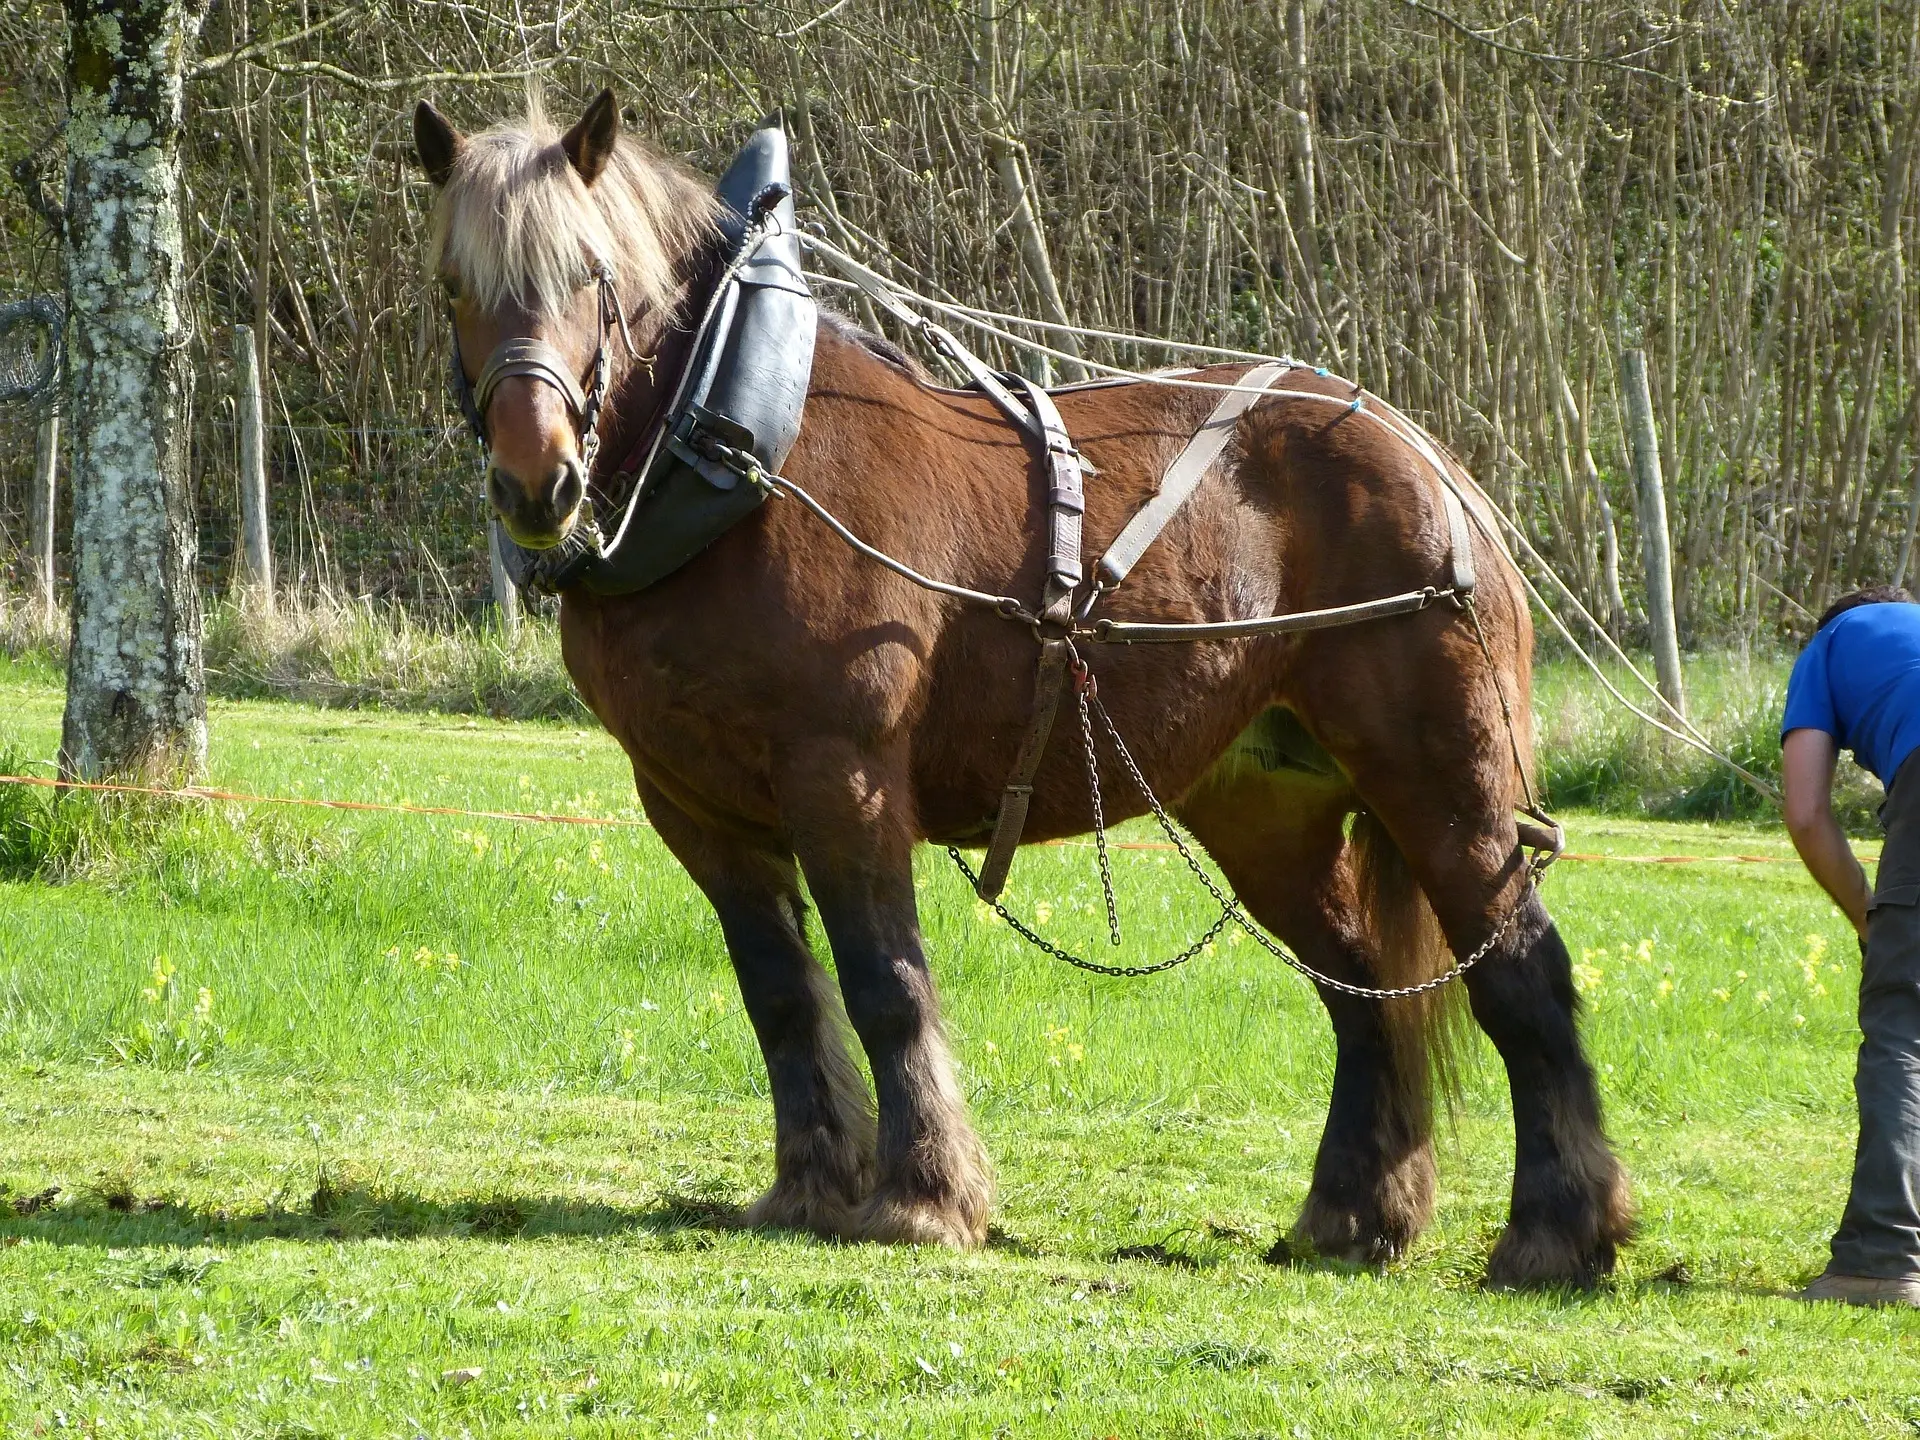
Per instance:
x=1859, y=681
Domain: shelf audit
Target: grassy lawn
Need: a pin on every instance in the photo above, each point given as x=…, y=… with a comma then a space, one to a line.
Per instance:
x=315, y=1123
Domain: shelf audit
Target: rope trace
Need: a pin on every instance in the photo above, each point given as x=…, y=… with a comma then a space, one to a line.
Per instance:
x=896, y=298
x=208, y=792
x=534, y=817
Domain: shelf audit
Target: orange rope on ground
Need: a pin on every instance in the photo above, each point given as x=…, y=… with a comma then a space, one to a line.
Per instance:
x=1567, y=855
x=203, y=792
x=535, y=817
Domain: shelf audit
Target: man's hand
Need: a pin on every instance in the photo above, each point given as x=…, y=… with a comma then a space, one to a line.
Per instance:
x=1806, y=776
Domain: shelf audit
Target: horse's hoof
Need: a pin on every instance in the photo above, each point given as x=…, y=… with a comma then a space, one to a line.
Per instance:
x=1378, y=1229
x=1346, y=1235
x=1578, y=1252
x=1535, y=1259
x=891, y=1220
x=822, y=1210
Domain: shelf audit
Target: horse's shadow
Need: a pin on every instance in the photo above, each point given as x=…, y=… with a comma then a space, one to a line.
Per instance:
x=337, y=1211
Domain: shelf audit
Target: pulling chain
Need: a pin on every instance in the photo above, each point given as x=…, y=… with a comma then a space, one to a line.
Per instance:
x=1230, y=907
x=1230, y=911
x=1083, y=688
x=1047, y=947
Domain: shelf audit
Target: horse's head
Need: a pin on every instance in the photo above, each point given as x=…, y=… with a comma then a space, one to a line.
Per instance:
x=544, y=244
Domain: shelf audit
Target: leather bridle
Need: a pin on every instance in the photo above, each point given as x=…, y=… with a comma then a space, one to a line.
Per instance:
x=521, y=355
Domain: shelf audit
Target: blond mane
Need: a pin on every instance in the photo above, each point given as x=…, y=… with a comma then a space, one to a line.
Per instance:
x=517, y=224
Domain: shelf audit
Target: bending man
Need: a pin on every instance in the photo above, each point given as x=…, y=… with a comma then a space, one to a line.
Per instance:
x=1857, y=687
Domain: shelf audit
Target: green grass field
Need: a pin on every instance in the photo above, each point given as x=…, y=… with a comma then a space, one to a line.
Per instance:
x=316, y=1123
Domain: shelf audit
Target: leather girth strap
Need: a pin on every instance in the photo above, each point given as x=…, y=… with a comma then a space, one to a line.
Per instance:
x=1066, y=504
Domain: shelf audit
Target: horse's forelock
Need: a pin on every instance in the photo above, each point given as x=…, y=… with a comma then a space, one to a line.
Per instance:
x=519, y=225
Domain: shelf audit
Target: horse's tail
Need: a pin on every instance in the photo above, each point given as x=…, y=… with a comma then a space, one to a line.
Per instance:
x=1424, y=1030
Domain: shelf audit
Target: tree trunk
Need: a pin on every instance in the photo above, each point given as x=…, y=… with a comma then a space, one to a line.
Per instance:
x=136, y=695
x=1655, y=544
x=42, y=508
x=250, y=409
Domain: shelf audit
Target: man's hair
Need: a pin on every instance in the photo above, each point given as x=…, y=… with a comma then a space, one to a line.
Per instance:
x=1872, y=595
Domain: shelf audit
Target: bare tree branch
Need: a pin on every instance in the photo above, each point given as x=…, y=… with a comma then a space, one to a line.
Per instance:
x=215, y=63
x=1493, y=42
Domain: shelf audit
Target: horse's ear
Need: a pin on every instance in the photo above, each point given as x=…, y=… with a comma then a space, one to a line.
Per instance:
x=589, y=145
x=436, y=142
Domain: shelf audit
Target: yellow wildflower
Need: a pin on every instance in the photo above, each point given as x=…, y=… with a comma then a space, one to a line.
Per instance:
x=162, y=980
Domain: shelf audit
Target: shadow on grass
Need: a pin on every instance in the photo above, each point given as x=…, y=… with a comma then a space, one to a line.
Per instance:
x=348, y=1211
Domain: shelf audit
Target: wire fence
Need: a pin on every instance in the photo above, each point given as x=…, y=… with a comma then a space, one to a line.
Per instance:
x=384, y=509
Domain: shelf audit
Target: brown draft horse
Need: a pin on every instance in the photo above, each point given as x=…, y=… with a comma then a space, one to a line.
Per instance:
x=792, y=709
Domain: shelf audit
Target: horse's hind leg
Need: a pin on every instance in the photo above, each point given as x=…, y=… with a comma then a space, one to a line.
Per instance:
x=1279, y=839
x=823, y=1124
x=1424, y=741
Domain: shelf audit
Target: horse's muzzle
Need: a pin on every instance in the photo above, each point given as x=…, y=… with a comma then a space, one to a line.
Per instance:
x=539, y=516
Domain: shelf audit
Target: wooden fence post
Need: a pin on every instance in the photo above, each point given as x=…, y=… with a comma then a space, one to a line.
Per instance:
x=506, y=595
x=42, y=507
x=250, y=408
x=1655, y=546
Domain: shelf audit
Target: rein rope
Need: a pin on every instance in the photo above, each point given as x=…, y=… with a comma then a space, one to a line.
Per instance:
x=1058, y=624
x=895, y=297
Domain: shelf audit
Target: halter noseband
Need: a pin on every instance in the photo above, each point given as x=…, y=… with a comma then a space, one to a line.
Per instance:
x=521, y=355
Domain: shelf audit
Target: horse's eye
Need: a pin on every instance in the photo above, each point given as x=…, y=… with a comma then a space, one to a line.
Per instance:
x=451, y=284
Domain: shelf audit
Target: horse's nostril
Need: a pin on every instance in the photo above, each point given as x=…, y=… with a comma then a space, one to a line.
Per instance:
x=500, y=490
x=567, y=490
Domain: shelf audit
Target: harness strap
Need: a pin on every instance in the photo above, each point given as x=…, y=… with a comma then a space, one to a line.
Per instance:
x=1066, y=504
x=1048, y=682
x=1460, y=539
x=1132, y=632
x=991, y=382
x=1183, y=476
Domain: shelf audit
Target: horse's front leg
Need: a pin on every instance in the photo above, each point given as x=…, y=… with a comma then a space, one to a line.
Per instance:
x=850, y=815
x=823, y=1123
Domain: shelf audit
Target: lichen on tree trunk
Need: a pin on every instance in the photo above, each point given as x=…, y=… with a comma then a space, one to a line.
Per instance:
x=136, y=693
